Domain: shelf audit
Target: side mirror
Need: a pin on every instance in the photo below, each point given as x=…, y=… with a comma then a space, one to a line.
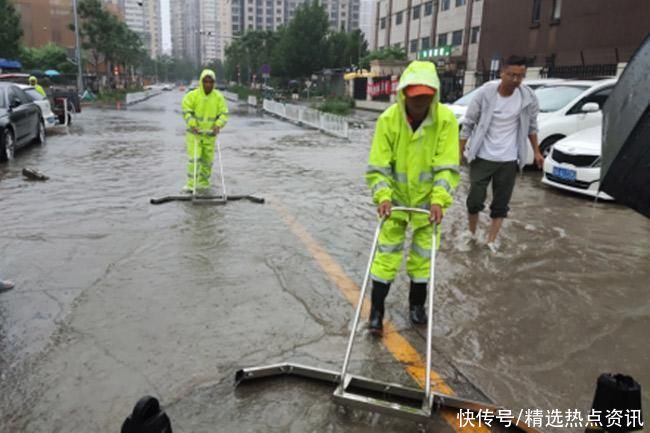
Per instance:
x=15, y=103
x=590, y=107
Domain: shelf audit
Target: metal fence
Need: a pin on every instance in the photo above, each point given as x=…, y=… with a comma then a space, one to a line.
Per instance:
x=230, y=96
x=326, y=122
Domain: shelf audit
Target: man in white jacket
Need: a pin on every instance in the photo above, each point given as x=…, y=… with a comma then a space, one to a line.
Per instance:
x=499, y=122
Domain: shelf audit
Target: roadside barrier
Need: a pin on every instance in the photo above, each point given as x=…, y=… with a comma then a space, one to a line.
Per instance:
x=135, y=97
x=326, y=122
x=230, y=96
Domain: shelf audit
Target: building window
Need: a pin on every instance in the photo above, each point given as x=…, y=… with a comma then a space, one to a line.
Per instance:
x=414, y=45
x=537, y=11
x=475, y=32
x=428, y=8
x=382, y=23
x=460, y=3
x=416, y=12
x=250, y=10
x=442, y=39
x=444, y=5
x=557, y=10
x=425, y=45
x=398, y=18
x=457, y=38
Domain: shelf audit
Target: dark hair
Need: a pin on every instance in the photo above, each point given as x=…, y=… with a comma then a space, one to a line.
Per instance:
x=515, y=60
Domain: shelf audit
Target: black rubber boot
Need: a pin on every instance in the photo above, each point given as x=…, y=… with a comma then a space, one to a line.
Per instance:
x=417, y=297
x=379, y=292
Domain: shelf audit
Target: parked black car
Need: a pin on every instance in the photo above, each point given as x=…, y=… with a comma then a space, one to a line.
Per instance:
x=20, y=121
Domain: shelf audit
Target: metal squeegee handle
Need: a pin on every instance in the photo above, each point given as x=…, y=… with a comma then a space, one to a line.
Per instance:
x=364, y=287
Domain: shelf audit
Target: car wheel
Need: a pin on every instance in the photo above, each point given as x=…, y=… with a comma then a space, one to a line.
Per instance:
x=8, y=145
x=547, y=145
x=40, y=133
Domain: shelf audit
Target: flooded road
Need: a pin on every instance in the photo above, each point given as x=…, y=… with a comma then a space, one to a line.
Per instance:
x=116, y=298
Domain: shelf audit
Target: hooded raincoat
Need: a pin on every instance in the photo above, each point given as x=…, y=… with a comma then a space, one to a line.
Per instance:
x=414, y=169
x=203, y=112
x=34, y=83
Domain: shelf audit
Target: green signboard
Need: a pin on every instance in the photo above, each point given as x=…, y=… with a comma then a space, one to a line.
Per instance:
x=431, y=53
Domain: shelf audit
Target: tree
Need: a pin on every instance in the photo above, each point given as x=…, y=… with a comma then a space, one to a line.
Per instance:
x=247, y=53
x=107, y=38
x=10, y=30
x=390, y=53
x=305, y=41
x=50, y=56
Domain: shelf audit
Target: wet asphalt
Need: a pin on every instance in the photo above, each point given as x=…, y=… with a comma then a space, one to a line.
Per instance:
x=117, y=298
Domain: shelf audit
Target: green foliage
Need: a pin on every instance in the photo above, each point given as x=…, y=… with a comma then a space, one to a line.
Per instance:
x=305, y=46
x=390, y=53
x=107, y=38
x=305, y=41
x=10, y=30
x=340, y=106
x=242, y=91
x=50, y=56
x=246, y=54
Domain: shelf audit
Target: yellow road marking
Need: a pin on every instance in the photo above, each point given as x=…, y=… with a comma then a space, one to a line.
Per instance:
x=396, y=344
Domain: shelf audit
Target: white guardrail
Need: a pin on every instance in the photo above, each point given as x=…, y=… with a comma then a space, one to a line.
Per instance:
x=230, y=96
x=326, y=122
x=132, y=98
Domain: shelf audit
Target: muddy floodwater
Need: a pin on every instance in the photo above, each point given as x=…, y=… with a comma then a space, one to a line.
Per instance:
x=116, y=298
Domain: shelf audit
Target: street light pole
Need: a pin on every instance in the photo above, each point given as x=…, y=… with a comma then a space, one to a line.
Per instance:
x=77, y=49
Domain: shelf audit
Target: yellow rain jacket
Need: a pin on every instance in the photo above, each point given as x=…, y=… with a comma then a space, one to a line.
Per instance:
x=205, y=111
x=412, y=169
x=34, y=83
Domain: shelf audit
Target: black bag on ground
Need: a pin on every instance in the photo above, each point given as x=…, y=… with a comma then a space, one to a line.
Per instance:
x=621, y=392
x=147, y=417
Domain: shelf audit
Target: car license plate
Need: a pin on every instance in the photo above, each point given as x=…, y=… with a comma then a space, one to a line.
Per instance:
x=564, y=173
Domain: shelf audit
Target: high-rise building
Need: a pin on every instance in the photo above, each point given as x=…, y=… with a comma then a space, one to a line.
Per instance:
x=153, y=26
x=271, y=14
x=366, y=20
x=207, y=31
x=143, y=17
x=45, y=21
x=191, y=29
x=177, y=28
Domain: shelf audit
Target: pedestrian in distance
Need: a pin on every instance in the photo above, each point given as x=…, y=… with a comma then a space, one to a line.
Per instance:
x=414, y=163
x=500, y=121
x=205, y=113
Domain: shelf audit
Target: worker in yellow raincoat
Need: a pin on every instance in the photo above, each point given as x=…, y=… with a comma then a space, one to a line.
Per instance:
x=413, y=162
x=205, y=112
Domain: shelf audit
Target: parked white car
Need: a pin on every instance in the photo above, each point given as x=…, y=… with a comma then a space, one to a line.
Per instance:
x=568, y=107
x=459, y=106
x=574, y=163
x=49, y=119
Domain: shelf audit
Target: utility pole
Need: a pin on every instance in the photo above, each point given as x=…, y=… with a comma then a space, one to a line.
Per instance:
x=77, y=49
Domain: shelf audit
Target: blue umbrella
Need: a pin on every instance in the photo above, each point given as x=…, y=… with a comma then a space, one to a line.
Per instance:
x=52, y=73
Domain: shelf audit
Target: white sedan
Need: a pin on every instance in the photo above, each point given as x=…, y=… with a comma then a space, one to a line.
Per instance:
x=574, y=163
x=49, y=119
